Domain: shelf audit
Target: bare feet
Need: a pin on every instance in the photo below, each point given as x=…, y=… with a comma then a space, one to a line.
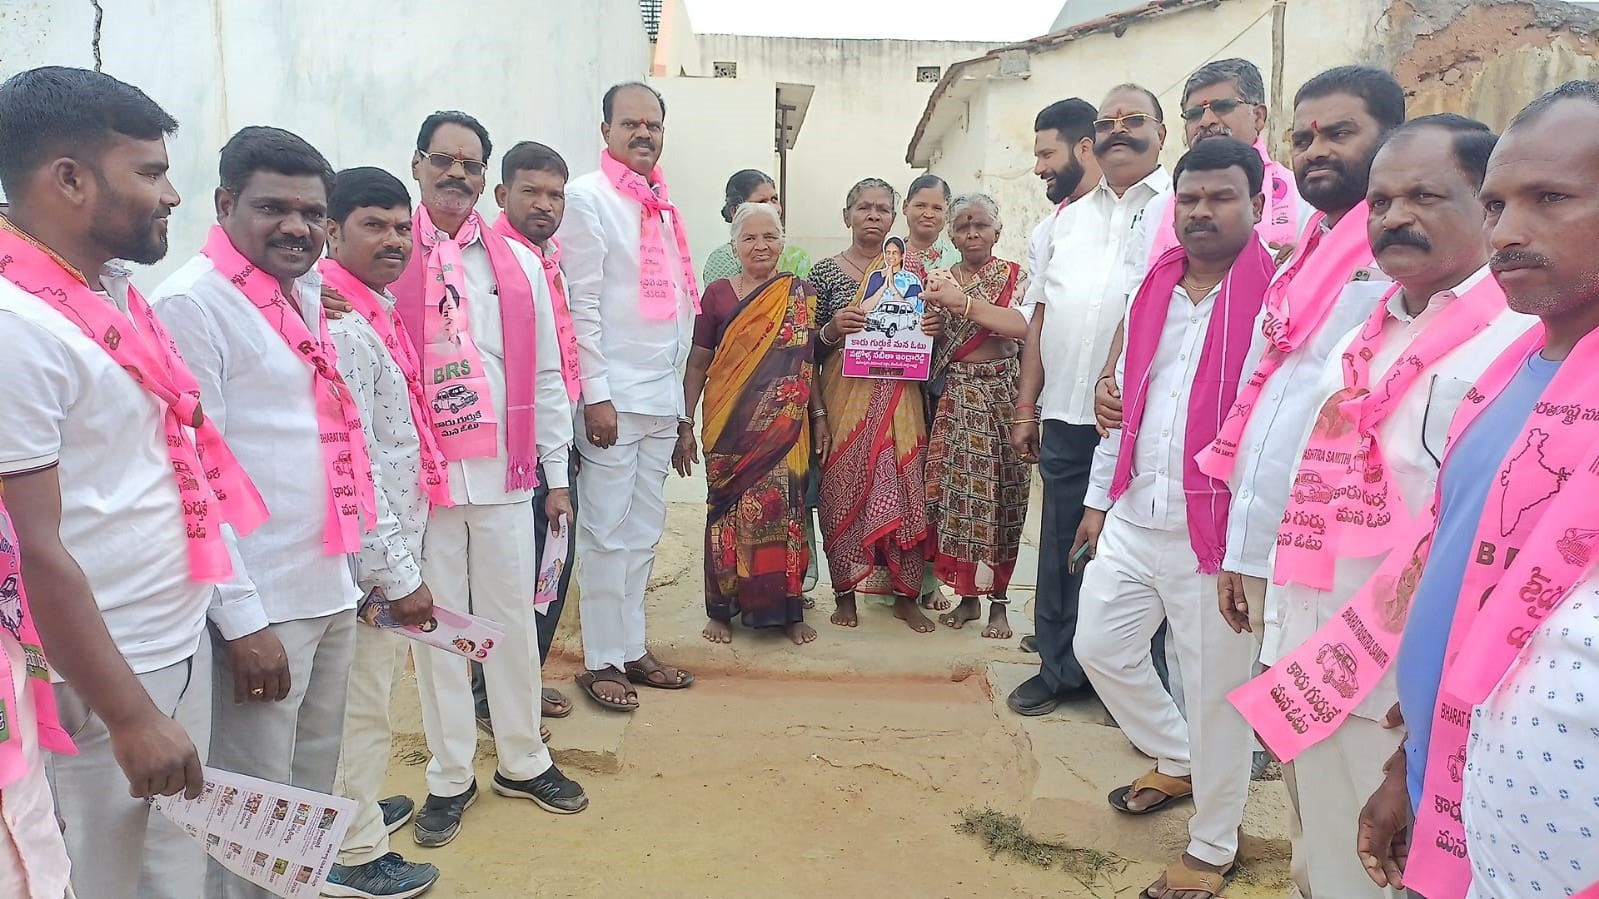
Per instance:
x=936, y=601
x=998, y=625
x=800, y=632
x=1158, y=889
x=907, y=610
x=969, y=610
x=846, y=615
x=717, y=631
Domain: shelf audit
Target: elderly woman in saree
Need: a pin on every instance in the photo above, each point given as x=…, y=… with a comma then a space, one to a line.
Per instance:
x=873, y=501
x=976, y=484
x=751, y=186
x=753, y=359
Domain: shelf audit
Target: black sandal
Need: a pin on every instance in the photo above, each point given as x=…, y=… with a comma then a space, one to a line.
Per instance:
x=588, y=679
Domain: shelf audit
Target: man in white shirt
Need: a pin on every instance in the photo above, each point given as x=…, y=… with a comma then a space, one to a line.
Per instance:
x=284, y=626
x=1443, y=322
x=1095, y=258
x=90, y=485
x=478, y=553
x=1161, y=545
x=369, y=244
x=633, y=343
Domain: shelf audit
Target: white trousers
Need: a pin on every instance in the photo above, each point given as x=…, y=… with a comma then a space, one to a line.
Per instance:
x=1138, y=577
x=481, y=559
x=295, y=741
x=621, y=516
x=1332, y=781
x=368, y=740
x=120, y=848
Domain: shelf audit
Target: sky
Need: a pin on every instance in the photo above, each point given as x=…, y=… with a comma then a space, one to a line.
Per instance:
x=955, y=20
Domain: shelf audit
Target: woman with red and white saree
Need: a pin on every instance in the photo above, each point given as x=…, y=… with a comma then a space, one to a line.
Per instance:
x=976, y=484
x=754, y=360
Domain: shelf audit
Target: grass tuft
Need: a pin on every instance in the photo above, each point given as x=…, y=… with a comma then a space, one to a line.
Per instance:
x=1002, y=834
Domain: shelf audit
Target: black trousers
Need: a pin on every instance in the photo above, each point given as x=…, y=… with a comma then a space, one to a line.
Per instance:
x=1066, y=454
x=546, y=623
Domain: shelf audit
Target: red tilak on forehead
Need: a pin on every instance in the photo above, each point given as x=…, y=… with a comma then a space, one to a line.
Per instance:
x=1315, y=126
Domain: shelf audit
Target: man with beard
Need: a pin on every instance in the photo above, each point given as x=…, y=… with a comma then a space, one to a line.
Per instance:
x=369, y=244
x=634, y=298
x=1502, y=627
x=1369, y=463
x=1227, y=98
x=119, y=570
x=501, y=414
x=247, y=315
x=1094, y=258
x=1161, y=544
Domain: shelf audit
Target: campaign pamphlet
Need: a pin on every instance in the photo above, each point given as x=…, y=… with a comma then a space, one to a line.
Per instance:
x=552, y=565
x=893, y=344
x=281, y=838
x=449, y=630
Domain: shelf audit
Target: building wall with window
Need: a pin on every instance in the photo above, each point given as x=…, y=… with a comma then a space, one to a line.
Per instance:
x=867, y=100
x=354, y=78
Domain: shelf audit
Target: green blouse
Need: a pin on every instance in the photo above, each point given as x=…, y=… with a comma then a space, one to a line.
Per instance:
x=723, y=264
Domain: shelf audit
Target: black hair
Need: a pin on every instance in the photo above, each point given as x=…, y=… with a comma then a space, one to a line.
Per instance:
x=1160, y=115
x=365, y=186
x=49, y=112
x=424, y=135
x=738, y=190
x=532, y=156
x=923, y=182
x=608, y=102
x=1473, y=141
x=1571, y=90
x=1072, y=119
x=1220, y=153
x=1384, y=98
x=261, y=148
x=1240, y=73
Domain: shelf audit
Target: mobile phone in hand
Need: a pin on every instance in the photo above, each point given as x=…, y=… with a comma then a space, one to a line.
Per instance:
x=1077, y=559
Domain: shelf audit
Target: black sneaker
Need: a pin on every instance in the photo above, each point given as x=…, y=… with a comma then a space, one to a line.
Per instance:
x=396, y=811
x=552, y=791
x=389, y=877
x=440, y=818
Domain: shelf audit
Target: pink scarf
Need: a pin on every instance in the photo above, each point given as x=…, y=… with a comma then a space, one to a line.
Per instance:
x=1279, y=223
x=456, y=385
x=657, y=297
x=1221, y=363
x=16, y=618
x=352, y=506
x=433, y=474
x=564, y=332
x=1315, y=279
x=1344, y=504
x=212, y=485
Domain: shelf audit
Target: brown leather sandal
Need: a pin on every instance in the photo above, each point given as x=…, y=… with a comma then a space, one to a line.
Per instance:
x=1173, y=788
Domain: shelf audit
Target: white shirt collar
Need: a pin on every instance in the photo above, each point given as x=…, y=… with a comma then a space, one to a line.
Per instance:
x=1158, y=182
x=1396, y=303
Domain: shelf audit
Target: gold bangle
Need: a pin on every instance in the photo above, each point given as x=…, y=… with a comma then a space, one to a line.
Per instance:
x=968, y=313
x=1024, y=421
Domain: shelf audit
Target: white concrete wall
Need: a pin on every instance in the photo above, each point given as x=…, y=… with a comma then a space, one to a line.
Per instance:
x=355, y=78
x=866, y=103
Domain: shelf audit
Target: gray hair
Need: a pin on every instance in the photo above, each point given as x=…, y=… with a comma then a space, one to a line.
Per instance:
x=1242, y=74
x=747, y=211
x=866, y=184
x=981, y=201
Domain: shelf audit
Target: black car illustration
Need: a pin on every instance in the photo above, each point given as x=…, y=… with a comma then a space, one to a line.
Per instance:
x=453, y=399
x=892, y=316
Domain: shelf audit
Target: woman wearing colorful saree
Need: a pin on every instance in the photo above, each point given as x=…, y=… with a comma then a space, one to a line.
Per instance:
x=926, y=215
x=976, y=484
x=753, y=358
x=873, y=501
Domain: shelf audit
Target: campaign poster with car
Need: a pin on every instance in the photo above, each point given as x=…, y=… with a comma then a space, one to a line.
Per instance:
x=893, y=344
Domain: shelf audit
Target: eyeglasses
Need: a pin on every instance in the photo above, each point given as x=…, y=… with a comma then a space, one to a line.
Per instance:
x=444, y=162
x=1130, y=121
x=1220, y=106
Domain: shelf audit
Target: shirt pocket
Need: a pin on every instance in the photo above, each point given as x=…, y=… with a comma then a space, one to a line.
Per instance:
x=1444, y=396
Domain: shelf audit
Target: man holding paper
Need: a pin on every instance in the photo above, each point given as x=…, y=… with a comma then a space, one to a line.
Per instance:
x=369, y=240
x=478, y=312
x=1368, y=465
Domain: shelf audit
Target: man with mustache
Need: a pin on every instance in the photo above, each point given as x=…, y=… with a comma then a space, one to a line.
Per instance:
x=1154, y=523
x=1369, y=462
x=634, y=298
x=501, y=415
x=1094, y=259
x=119, y=553
x=1500, y=638
x=369, y=244
x=247, y=315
